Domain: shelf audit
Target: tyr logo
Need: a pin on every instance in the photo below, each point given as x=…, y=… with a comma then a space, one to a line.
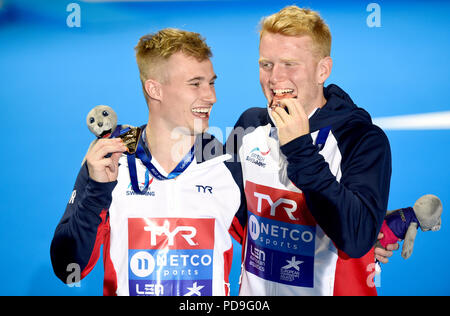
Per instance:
x=187, y=232
x=273, y=206
x=204, y=189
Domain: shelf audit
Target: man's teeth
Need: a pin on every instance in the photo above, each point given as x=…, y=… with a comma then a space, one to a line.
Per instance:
x=282, y=91
x=201, y=110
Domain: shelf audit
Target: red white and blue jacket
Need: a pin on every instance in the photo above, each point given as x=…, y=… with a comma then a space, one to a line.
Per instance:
x=173, y=240
x=315, y=205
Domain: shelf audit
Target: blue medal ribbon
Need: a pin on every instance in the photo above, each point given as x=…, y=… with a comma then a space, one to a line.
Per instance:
x=322, y=137
x=146, y=160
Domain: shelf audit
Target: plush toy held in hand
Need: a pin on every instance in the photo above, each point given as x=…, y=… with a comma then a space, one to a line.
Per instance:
x=102, y=122
x=403, y=223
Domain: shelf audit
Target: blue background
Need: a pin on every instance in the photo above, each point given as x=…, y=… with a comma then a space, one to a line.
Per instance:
x=52, y=75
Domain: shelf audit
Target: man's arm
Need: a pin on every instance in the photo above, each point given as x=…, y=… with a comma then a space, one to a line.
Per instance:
x=352, y=210
x=81, y=231
x=240, y=218
x=245, y=124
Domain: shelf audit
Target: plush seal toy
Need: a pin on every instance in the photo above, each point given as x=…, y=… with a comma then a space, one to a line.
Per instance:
x=403, y=223
x=102, y=122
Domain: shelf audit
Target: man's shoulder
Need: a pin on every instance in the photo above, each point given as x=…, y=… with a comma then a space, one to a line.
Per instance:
x=361, y=139
x=253, y=117
x=360, y=130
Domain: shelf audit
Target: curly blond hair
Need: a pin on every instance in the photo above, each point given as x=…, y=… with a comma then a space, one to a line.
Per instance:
x=153, y=51
x=295, y=21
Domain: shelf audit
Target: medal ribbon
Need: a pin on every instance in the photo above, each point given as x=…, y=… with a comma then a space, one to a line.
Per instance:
x=322, y=137
x=146, y=160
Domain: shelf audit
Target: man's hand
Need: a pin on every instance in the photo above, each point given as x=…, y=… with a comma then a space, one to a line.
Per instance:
x=293, y=125
x=382, y=254
x=102, y=169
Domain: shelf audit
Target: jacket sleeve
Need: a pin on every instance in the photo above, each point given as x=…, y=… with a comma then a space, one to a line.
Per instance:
x=240, y=218
x=245, y=124
x=81, y=231
x=352, y=210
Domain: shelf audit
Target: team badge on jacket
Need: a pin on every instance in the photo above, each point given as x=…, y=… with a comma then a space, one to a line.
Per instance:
x=281, y=236
x=170, y=256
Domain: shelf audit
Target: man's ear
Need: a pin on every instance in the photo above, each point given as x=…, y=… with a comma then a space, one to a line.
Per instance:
x=153, y=89
x=324, y=69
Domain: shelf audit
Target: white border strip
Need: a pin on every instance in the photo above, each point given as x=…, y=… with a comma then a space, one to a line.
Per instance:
x=425, y=121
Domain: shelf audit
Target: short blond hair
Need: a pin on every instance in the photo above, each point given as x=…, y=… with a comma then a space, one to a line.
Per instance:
x=153, y=51
x=295, y=21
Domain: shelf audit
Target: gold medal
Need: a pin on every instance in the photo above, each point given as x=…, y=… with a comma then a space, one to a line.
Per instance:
x=130, y=137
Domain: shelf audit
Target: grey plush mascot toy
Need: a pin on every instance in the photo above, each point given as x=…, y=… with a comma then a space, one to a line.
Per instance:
x=403, y=223
x=102, y=122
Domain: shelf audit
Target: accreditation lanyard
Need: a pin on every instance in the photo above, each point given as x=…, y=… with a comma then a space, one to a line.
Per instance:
x=146, y=160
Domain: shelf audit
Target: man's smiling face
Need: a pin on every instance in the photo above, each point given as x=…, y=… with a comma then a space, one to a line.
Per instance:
x=189, y=93
x=288, y=68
